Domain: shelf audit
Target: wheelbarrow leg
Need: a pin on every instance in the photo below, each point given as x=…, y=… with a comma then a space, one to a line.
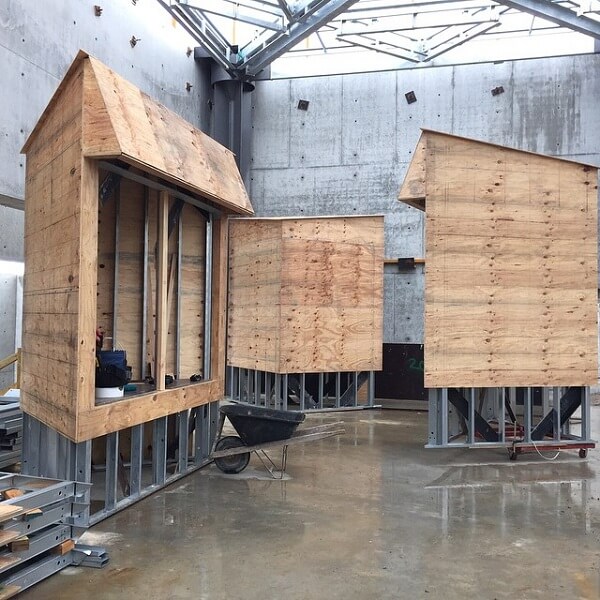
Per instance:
x=271, y=469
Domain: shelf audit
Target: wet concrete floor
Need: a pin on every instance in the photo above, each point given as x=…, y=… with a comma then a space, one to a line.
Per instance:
x=370, y=515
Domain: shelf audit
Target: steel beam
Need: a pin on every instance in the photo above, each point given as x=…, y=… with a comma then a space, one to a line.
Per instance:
x=235, y=14
x=257, y=60
x=556, y=13
x=410, y=22
x=458, y=39
x=383, y=48
x=201, y=30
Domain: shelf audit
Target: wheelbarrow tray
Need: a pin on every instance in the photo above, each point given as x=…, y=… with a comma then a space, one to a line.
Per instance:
x=303, y=435
x=256, y=425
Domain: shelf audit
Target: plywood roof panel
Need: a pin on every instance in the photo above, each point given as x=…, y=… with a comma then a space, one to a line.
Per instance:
x=120, y=121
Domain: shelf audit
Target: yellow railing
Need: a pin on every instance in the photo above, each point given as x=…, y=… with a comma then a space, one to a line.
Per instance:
x=6, y=362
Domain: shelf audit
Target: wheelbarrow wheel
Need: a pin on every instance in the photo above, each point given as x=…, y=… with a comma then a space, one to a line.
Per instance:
x=231, y=464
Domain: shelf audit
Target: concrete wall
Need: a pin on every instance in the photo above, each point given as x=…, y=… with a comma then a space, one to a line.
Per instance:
x=38, y=41
x=8, y=319
x=347, y=154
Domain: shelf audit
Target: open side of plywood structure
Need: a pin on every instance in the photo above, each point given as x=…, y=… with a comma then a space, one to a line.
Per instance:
x=82, y=270
x=306, y=294
x=511, y=264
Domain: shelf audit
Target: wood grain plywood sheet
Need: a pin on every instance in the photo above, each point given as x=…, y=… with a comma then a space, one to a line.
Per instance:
x=150, y=134
x=306, y=294
x=254, y=294
x=192, y=291
x=51, y=284
x=511, y=267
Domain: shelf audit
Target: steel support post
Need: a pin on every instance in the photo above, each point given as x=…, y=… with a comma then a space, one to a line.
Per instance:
x=371, y=391
x=434, y=418
x=277, y=399
x=144, y=307
x=284, y=385
x=586, y=424
x=116, y=269
x=471, y=423
x=111, y=472
x=208, y=298
x=159, y=451
x=321, y=385
x=527, y=414
x=137, y=455
x=183, y=428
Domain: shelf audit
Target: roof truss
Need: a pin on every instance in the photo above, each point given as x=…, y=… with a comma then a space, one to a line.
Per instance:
x=245, y=36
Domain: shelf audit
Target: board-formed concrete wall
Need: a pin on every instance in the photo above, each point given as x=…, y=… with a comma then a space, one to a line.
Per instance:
x=348, y=153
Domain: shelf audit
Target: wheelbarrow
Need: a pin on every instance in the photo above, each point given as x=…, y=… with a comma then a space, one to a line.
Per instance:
x=260, y=429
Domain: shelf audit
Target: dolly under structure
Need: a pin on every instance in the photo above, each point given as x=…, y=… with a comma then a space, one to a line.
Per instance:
x=510, y=293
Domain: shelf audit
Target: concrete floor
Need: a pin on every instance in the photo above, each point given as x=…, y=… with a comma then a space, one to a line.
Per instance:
x=368, y=515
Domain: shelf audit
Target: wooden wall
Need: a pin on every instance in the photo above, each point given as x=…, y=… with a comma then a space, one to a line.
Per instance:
x=253, y=340
x=511, y=267
x=52, y=257
x=306, y=294
x=131, y=312
x=70, y=248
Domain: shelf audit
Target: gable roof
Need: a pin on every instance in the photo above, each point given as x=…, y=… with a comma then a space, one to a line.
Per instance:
x=412, y=191
x=120, y=121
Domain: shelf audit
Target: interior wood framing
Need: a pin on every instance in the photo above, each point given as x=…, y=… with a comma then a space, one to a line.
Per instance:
x=511, y=264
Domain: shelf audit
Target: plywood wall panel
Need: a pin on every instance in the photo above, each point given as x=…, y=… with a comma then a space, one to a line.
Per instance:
x=50, y=293
x=511, y=266
x=306, y=294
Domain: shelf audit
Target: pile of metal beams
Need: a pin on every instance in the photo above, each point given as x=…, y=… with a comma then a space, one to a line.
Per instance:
x=36, y=531
x=11, y=432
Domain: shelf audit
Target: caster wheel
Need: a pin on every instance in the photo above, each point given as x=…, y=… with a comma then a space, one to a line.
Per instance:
x=512, y=455
x=231, y=464
x=583, y=452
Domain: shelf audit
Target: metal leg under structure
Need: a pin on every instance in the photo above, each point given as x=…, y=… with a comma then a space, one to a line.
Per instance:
x=517, y=419
x=120, y=483
x=307, y=392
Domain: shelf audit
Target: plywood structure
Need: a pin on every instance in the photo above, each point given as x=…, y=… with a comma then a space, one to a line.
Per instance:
x=306, y=294
x=511, y=264
x=71, y=247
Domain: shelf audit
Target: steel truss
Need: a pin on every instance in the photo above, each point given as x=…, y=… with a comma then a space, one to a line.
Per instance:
x=518, y=419
x=417, y=31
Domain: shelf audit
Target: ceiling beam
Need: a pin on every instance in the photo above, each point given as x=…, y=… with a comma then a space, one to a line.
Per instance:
x=455, y=40
x=236, y=14
x=254, y=62
x=550, y=11
x=419, y=21
x=383, y=47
